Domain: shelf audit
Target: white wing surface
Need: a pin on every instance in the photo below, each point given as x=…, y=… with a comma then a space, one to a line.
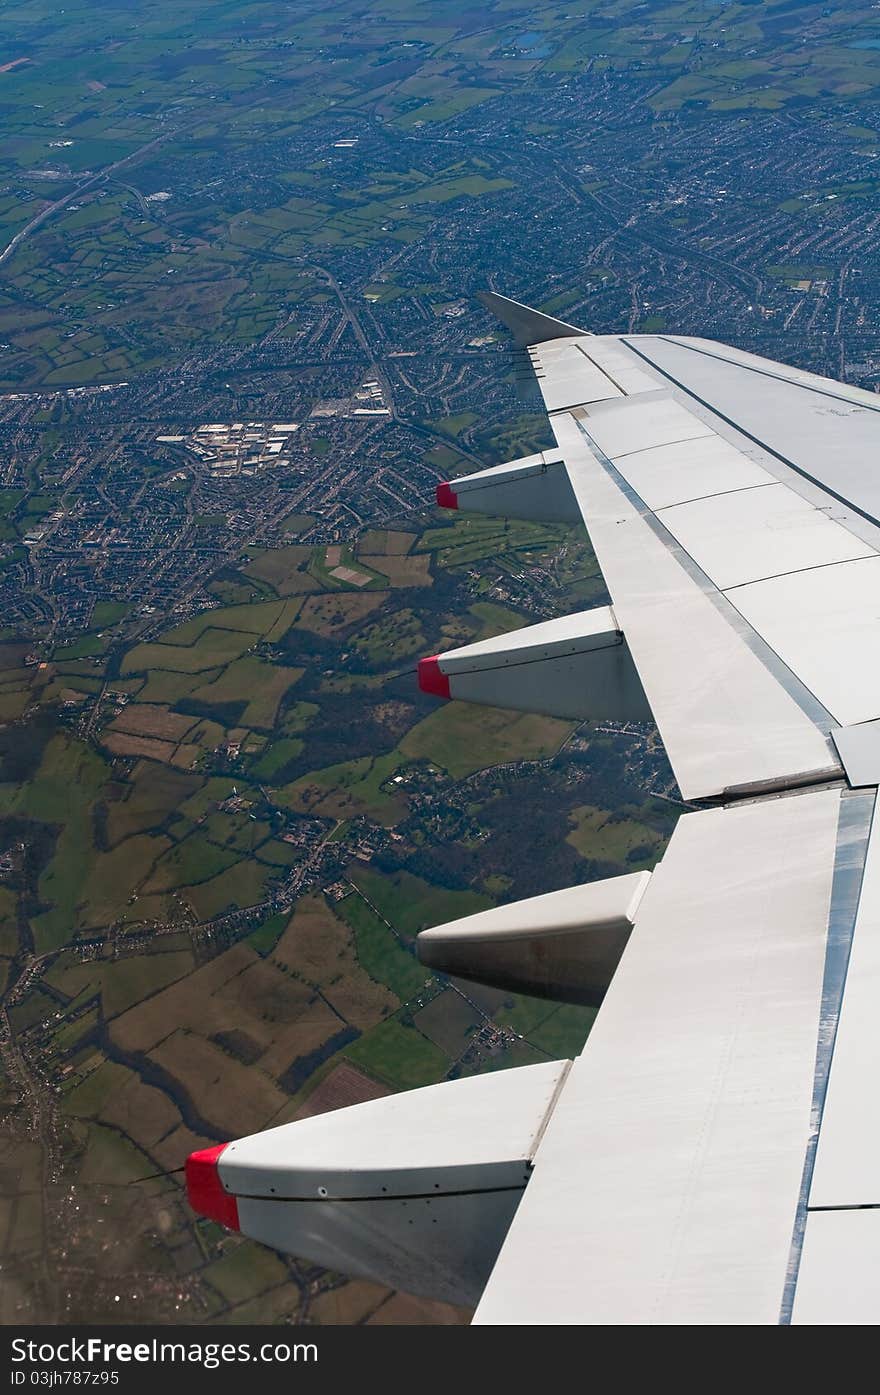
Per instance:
x=711, y=1155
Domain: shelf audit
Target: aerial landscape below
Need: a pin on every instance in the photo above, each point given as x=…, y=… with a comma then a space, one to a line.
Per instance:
x=240, y=249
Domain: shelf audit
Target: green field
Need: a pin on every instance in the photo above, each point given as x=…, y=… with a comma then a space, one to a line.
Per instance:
x=243, y=884
x=380, y=952
x=213, y=648
x=399, y=1056
x=61, y=795
x=245, y=1271
x=599, y=835
x=462, y=738
x=252, y=684
x=263, y=619
x=277, y=757
x=194, y=860
x=349, y=789
x=411, y=904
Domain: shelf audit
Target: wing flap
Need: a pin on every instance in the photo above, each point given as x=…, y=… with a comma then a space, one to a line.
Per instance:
x=840, y=1270
x=688, y=470
x=654, y=419
x=726, y=720
x=806, y=584
x=666, y=1187
x=825, y=625
x=568, y=377
x=752, y=534
x=592, y=353
x=793, y=578
x=829, y=432
x=846, y=1171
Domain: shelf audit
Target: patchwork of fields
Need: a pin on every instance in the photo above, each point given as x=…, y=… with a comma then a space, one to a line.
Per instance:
x=122, y=133
x=222, y=890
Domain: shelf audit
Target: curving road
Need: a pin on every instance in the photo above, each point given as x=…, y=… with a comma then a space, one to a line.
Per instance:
x=89, y=183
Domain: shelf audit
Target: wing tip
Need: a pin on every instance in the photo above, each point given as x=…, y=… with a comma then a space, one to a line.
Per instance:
x=528, y=326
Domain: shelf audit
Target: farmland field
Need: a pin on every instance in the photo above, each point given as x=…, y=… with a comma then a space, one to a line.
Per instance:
x=226, y=762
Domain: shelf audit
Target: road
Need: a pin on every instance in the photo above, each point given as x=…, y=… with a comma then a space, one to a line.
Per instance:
x=375, y=367
x=80, y=189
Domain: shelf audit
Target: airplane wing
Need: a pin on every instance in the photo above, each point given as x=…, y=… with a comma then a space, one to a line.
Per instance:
x=710, y=1156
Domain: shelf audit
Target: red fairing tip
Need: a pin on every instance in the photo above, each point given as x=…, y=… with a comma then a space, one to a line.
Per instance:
x=446, y=497
x=431, y=680
x=206, y=1192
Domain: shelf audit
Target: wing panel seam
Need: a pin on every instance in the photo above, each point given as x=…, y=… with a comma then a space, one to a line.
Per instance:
x=679, y=441
x=761, y=372
x=603, y=371
x=777, y=455
x=793, y=685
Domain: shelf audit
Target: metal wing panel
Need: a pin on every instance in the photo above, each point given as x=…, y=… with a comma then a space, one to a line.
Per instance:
x=828, y=431
x=840, y=1270
x=755, y=533
x=652, y=419
x=666, y=1187
x=756, y=363
x=795, y=587
x=687, y=470
x=825, y=625
x=847, y=1167
x=575, y=372
x=618, y=362
x=682, y=1156
x=567, y=377
x=725, y=718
